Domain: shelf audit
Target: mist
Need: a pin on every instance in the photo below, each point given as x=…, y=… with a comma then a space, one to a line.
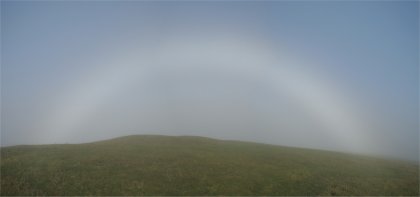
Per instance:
x=339, y=76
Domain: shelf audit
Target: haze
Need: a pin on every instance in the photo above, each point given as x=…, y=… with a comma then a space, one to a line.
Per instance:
x=339, y=76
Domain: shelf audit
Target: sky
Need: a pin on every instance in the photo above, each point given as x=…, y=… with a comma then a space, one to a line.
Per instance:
x=329, y=75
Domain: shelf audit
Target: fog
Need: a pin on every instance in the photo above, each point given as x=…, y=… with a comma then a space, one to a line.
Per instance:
x=339, y=76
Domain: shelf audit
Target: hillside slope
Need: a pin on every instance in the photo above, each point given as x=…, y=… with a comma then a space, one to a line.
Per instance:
x=163, y=165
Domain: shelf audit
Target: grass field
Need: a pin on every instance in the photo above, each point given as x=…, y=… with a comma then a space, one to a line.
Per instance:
x=163, y=165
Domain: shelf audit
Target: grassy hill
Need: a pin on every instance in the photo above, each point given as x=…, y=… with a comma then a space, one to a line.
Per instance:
x=163, y=165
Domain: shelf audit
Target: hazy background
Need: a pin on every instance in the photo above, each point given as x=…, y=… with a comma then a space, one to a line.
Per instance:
x=329, y=75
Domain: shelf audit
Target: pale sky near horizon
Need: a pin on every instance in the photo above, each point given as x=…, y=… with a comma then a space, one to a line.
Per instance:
x=329, y=75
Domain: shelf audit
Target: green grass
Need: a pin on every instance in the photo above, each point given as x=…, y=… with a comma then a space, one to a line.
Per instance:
x=163, y=165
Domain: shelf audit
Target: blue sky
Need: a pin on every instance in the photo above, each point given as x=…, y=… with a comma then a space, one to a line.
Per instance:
x=260, y=71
